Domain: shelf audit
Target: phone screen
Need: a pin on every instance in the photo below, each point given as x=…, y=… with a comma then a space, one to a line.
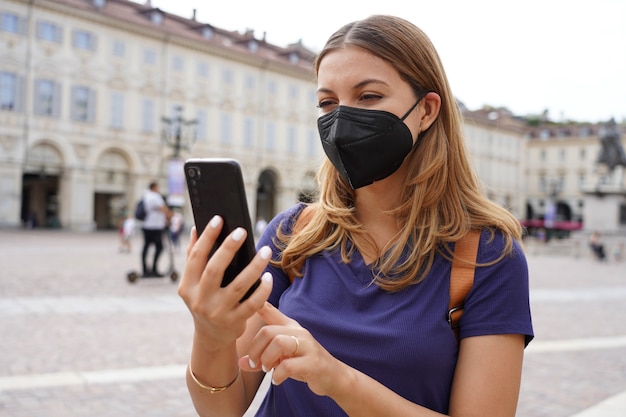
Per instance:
x=215, y=186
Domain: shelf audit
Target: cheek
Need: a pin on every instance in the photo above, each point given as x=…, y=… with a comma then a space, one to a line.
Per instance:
x=414, y=124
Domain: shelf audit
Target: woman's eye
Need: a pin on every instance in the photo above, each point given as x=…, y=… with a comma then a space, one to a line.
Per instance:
x=325, y=104
x=370, y=97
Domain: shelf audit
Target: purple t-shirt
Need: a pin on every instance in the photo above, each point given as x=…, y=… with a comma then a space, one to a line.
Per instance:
x=401, y=339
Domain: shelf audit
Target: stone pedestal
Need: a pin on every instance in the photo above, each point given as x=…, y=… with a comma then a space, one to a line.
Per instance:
x=605, y=210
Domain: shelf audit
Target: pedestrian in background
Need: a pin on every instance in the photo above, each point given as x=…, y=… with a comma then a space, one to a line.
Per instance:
x=618, y=251
x=259, y=226
x=358, y=291
x=597, y=247
x=128, y=231
x=153, y=226
x=176, y=227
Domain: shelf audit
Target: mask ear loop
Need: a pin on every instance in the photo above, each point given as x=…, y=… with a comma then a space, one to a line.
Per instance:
x=420, y=133
x=419, y=128
x=411, y=109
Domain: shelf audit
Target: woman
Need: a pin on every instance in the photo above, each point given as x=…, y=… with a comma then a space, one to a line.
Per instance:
x=361, y=330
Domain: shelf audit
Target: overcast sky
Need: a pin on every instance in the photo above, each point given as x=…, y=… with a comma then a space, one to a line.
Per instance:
x=566, y=56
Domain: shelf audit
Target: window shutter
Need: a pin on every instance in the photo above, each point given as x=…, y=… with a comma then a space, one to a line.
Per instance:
x=37, y=107
x=117, y=110
x=58, y=34
x=93, y=42
x=22, y=25
x=19, y=93
x=56, y=100
x=73, y=104
x=39, y=30
x=91, y=106
x=148, y=115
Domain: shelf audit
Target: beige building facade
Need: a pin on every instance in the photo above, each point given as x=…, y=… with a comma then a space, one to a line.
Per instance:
x=91, y=90
x=563, y=174
x=100, y=97
x=496, y=141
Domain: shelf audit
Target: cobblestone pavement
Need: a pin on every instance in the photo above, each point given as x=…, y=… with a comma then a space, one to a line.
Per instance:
x=76, y=339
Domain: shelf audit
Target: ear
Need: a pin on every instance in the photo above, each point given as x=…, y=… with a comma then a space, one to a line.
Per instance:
x=430, y=106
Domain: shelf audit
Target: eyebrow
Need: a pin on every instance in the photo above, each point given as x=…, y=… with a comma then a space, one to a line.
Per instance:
x=358, y=85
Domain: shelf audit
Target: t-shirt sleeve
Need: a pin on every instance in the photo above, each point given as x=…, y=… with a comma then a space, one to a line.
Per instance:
x=154, y=201
x=285, y=221
x=498, y=302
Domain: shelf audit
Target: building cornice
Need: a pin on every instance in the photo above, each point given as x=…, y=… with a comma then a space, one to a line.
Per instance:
x=183, y=32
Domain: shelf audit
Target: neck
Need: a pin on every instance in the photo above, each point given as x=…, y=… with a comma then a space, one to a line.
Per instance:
x=372, y=205
x=381, y=196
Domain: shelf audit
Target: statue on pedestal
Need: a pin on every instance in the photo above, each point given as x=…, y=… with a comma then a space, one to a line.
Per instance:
x=604, y=206
x=611, y=153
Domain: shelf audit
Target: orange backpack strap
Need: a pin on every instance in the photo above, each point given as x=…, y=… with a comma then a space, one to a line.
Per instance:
x=462, y=276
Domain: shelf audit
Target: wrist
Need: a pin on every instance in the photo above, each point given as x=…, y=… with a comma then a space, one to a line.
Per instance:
x=209, y=343
x=213, y=367
x=346, y=380
x=209, y=388
x=340, y=381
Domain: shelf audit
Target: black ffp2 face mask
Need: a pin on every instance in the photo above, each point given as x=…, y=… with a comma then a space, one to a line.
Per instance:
x=365, y=145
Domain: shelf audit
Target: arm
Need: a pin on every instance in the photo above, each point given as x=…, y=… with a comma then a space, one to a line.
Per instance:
x=166, y=210
x=217, y=369
x=221, y=322
x=488, y=376
x=486, y=382
x=163, y=208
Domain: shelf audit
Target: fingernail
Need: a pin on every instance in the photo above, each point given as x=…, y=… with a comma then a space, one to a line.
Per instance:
x=215, y=221
x=265, y=252
x=264, y=368
x=251, y=363
x=238, y=234
x=274, y=382
x=267, y=277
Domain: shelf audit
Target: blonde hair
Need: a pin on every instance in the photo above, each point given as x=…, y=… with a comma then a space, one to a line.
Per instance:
x=442, y=199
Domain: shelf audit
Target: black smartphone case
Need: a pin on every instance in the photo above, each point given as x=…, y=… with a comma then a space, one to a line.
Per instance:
x=216, y=187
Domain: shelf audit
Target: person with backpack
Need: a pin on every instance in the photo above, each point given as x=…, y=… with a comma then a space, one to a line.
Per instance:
x=352, y=316
x=154, y=223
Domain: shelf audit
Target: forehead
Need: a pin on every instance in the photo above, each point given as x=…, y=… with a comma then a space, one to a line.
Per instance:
x=351, y=65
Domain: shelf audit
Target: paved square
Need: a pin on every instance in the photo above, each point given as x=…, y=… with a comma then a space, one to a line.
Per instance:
x=79, y=340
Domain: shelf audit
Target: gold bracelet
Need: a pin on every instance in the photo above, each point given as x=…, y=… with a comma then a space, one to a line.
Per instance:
x=212, y=390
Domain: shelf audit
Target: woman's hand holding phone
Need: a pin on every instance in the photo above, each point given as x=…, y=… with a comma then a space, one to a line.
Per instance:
x=218, y=312
x=216, y=187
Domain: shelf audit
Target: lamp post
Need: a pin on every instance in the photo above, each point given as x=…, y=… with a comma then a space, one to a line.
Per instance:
x=178, y=134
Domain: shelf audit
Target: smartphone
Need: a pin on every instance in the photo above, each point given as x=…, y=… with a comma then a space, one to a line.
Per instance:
x=215, y=186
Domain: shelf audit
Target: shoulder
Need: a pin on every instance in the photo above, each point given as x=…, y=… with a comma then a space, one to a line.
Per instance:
x=502, y=264
x=498, y=302
x=495, y=244
x=284, y=221
x=154, y=198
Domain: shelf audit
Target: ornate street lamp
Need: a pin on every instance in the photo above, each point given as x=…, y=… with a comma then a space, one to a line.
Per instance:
x=178, y=133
